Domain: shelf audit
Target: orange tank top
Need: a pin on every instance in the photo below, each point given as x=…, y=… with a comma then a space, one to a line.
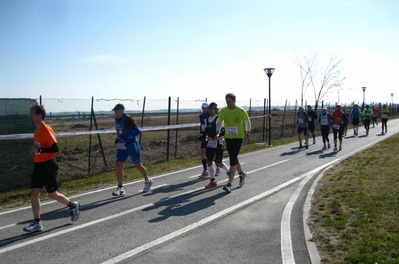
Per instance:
x=44, y=137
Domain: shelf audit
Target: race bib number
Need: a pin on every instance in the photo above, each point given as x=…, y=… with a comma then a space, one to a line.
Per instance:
x=203, y=126
x=368, y=114
x=310, y=119
x=384, y=116
x=300, y=120
x=121, y=146
x=324, y=121
x=335, y=126
x=232, y=131
x=37, y=144
x=212, y=144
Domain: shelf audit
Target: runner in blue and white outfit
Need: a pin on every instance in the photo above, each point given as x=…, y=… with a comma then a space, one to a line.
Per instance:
x=204, y=115
x=355, y=113
x=128, y=145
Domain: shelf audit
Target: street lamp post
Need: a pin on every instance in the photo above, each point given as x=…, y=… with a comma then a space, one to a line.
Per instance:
x=269, y=72
x=392, y=104
x=364, y=92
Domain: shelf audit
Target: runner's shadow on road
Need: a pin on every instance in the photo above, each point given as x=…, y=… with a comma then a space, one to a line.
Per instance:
x=314, y=152
x=328, y=155
x=175, y=187
x=294, y=151
x=64, y=212
x=25, y=235
x=181, y=206
x=107, y=201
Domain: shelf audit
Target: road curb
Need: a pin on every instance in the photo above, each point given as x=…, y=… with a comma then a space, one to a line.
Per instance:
x=311, y=246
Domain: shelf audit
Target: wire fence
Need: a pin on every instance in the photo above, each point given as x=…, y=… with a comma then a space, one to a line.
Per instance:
x=88, y=153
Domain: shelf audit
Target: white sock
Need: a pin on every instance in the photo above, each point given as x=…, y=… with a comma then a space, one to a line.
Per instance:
x=225, y=167
x=211, y=171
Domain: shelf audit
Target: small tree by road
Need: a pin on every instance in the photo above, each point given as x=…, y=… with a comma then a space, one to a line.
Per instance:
x=321, y=74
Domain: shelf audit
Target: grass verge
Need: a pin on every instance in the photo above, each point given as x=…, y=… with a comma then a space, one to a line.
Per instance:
x=355, y=209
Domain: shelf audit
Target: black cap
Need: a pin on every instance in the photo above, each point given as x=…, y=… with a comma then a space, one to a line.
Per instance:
x=213, y=105
x=118, y=107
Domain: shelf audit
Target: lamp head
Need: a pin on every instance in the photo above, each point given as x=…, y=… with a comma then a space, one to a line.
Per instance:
x=364, y=89
x=269, y=71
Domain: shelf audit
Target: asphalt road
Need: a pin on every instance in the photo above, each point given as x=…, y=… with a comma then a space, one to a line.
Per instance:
x=181, y=222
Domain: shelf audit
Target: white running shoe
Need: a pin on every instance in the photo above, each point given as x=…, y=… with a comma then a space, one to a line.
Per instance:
x=227, y=187
x=34, y=227
x=204, y=173
x=243, y=175
x=75, y=213
x=217, y=173
x=147, y=186
x=119, y=192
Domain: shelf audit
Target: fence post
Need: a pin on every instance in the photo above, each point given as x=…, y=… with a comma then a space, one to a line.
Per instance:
x=142, y=119
x=168, y=131
x=98, y=135
x=282, y=125
x=177, y=122
x=91, y=126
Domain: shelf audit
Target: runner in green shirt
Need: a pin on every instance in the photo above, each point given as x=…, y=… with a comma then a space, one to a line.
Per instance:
x=237, y=126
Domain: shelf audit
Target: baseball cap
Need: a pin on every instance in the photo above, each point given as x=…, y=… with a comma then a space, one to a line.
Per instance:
x=324, y=108
x=213, y=105
x=204, y=105
x=118, y=107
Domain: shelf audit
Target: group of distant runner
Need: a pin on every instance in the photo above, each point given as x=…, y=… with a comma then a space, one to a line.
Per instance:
x=338, y=120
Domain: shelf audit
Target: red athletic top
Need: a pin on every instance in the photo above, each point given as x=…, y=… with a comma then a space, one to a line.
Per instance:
x=338, y=117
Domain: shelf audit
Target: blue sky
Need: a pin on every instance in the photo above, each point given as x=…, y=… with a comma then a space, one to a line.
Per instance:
x=193, y=49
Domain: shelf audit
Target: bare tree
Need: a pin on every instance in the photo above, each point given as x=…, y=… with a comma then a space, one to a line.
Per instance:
x=321, y=75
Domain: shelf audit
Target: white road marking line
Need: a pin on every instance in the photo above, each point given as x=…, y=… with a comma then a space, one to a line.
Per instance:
x=286, y=241
x=200, y=223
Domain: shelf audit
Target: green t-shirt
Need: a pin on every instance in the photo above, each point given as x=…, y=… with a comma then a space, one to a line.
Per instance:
x=233, y=121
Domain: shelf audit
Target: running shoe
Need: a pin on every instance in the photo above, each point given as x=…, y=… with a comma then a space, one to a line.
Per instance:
x=217, y=173
x=324, y=148
x=314, y=141
x=75, y=213
x=227, y=187
x=243, y=175
x=204, y=173
x=340, y=148
x=335, y=149
x=329, y=146
x=306, y=146
x=34, y=227
x=119, y=192
x=300, y=146
x=147, y=186
x=212, y=184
